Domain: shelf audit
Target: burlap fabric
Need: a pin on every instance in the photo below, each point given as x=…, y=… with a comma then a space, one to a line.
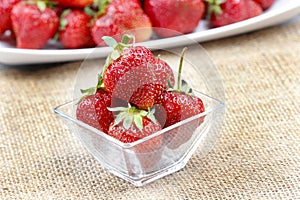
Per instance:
x=257, y=156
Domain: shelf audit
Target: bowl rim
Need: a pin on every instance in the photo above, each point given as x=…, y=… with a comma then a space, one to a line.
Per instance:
x=57, y=110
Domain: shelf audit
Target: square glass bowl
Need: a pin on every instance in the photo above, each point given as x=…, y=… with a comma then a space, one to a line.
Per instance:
x=133, y=161
x=139, y=162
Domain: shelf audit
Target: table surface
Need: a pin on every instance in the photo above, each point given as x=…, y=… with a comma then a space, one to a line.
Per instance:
x=256, y=157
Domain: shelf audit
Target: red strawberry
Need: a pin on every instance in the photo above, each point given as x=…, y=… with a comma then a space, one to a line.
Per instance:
x=145, y=96
x=33, y=25
x=136, y=76
x=74, y=3
x=232, y=11
x=120, y=17
x=75, y=31
x=93, y=111
x=265, y=4
x=175, y=106
x=175, y=16
x=5, y=10
x=132, y=124
x=253, y=9
x=140, y=97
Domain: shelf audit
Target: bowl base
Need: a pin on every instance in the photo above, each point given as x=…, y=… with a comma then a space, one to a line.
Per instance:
x=152, y=177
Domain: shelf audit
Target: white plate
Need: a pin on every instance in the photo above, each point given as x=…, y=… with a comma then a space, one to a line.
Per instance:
x=281, y=11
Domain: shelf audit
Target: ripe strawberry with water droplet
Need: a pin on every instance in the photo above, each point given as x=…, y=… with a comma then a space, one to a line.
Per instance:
x=92, y=109
x=176, y=105
x=135, y=75
x=132, y=124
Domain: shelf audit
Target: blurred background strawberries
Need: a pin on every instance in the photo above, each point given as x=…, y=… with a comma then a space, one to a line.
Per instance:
x=82, y=23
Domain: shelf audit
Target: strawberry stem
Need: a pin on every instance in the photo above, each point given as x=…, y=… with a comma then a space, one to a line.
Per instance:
x=180, y=69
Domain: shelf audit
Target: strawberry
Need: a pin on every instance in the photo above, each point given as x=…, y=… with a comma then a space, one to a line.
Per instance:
x=33, y=24
x=92, y=110
x=132, y=124
x=74, y=3
x=118, y=17
x=135, y=75
x=174, y=106
x=222, y=12
x=140, y=97
x=253, y=9
x=265, y=4
x=5, y=10
x=174, y=17
x=74, y=30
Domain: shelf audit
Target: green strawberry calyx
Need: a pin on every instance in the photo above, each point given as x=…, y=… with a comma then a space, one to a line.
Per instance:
x=132, y=115
x=118, y=48
x=182, y=86
x=116, y=53
x=62, y=21
x=98, y=8
x=214, y=7
x=101, y=5
x=41, y=4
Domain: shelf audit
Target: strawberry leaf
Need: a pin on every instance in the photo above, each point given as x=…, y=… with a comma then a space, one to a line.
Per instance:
x=89, y=11
x=56, y=36
x=128, y=121
x=127, y=38
x=51, y=4
x=151, y=116
x=115, y=55
x=185, y=87
x=41, y=5
x=214, y=7
x=100, y=84
x=88, y=91
x=138, y=120
x=63, y=22
x=143, y=113
x=119, y=118
x=169, y=83
x=110, y=41
x=101, y=5
x=118, y=48
x=131, y=115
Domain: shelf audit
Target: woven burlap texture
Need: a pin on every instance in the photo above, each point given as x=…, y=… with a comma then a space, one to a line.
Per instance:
x=257, y=155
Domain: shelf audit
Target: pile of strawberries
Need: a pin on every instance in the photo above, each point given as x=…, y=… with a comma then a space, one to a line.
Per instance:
x=135, y=97
x=83, y=23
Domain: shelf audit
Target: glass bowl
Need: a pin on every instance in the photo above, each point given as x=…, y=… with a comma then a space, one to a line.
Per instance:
x=136, y=162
